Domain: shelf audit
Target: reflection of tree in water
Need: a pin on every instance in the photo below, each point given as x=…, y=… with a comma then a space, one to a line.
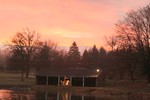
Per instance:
x=64, y=96
x=13, y=95
x=5, y=94
x=23, y=96
x=49, y=95
x=136, y=96
x=46, y=95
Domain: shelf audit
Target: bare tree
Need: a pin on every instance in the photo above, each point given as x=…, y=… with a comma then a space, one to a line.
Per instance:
x=134, y=32
x=25, y=43
x=111, y=41
x=3, y=57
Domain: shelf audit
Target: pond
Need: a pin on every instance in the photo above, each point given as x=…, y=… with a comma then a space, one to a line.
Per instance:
x=8, y=94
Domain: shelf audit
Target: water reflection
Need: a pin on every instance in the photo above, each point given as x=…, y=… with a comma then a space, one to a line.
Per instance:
x=5, y=94
x=63, y=95
x=15, y=95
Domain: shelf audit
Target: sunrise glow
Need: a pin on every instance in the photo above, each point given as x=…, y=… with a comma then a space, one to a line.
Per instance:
x=63, y=21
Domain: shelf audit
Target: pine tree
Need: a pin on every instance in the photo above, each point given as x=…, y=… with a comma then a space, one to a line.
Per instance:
x=102, y=58
x=44, y=58
x=85, y=59
x=73, y=56
x=94, y=57
x=102, y=52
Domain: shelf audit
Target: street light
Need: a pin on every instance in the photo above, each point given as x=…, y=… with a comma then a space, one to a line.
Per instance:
x=97, y=70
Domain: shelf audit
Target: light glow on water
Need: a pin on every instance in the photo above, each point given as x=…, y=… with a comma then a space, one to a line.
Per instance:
x=62, y=95
x=5, y=94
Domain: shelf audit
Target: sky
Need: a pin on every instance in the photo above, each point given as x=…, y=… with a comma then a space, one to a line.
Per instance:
x=87, y=22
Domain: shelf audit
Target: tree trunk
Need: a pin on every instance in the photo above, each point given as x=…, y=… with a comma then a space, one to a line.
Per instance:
x=27, y=71
x=148, y=78
x=148, y=70
x=132, y=76
x=132, y=68
x=22, y=73
x=28, y=66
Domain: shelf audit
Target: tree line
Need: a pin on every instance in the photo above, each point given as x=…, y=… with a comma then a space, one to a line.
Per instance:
x=28, y=54
x=131, y=43
x=129, y=57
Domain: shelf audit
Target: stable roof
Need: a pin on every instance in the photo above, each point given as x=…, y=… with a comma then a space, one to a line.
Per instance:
x=71, y=72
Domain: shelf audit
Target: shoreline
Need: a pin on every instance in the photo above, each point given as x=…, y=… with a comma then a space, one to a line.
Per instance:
x=12, y=81
x=91, y=90
x=81, y=91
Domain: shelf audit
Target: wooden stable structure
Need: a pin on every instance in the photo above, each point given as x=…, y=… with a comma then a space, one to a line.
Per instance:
x=68, y=77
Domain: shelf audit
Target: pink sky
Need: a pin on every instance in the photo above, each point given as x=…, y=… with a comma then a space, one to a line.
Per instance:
x=85, y=21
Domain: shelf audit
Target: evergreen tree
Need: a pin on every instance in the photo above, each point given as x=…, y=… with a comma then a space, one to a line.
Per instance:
x=102, y=58
x=85, y=59
x=73, y=59
x=44, y=58
x=95, y=54
x=59, y=59
x=95, y=51
x=94, y=57
x=15, y=61
x=102, y=52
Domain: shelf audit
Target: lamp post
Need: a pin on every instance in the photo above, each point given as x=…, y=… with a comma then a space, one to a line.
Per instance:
x=97, y=70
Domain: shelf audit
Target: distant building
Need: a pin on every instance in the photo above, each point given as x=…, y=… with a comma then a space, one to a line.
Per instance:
x=71, y=77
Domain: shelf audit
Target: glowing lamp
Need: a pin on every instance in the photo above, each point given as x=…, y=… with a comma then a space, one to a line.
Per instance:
x=97, y=70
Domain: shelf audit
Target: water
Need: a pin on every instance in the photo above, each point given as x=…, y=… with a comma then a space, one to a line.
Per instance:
x=6, y=94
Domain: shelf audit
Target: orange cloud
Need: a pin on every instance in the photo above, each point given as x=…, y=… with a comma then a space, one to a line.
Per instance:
x=64, y=21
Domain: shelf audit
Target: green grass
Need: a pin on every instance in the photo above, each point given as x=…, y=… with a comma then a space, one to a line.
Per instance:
x=10, y=78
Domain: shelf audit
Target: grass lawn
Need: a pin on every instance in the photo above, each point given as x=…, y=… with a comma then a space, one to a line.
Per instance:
x=11, y=78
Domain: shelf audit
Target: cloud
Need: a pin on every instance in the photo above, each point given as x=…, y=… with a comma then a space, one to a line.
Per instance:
x=86, y=21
